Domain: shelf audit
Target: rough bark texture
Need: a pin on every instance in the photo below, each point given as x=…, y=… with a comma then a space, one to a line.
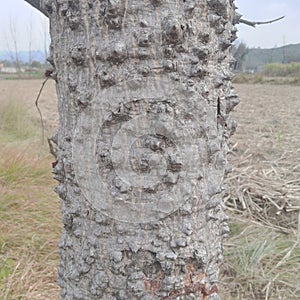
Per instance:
x=144, y=95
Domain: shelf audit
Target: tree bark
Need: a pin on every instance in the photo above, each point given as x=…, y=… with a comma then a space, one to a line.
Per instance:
x=144, y=95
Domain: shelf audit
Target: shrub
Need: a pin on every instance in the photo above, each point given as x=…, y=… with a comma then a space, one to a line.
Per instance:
x=282, y=70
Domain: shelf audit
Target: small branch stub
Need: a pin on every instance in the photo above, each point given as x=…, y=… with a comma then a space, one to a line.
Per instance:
x=253, y=23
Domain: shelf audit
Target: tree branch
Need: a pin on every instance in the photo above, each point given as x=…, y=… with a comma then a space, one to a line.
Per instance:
x=253, y=24
x=38, y=5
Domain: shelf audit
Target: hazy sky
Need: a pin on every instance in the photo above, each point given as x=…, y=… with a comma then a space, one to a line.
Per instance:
x=283, y=32
x=18, y=16
x=287, y=31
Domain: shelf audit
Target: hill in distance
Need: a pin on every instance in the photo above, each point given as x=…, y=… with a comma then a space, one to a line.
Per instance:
x=24, y=56
x=254, y=59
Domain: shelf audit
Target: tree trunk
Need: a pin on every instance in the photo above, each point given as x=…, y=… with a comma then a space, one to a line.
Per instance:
x=144, y=95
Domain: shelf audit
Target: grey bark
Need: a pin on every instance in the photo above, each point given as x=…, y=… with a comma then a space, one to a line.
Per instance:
x=144, y=97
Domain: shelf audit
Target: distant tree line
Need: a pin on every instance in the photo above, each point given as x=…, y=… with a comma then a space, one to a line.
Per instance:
x=239, y=52
x=254, y=59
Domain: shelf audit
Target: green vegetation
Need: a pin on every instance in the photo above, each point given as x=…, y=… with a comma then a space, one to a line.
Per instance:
x=261, y=263
x=35, y=70
x=255, y=58
x=17, y=168
x=15, y=124
x=6, y=267
x=35, y=74
x=279, y=137
x=282, y=70
x=275, y=73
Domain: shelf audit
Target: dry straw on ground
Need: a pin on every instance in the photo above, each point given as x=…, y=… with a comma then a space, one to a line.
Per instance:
x=263, y=198
x=265, y=181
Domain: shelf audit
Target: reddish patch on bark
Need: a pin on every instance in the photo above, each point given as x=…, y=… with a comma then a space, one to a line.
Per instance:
x=193, y=289
x=154, y=285
x=193, y=283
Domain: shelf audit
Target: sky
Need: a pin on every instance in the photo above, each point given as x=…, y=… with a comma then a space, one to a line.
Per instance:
x=19, y=15
x=19, y=19
x=283, y=32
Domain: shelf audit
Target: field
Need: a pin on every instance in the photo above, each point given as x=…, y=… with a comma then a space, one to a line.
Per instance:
x=262, y=254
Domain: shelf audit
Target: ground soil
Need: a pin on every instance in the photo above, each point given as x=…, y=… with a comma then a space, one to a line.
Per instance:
x=266, y=150
x=264, y=113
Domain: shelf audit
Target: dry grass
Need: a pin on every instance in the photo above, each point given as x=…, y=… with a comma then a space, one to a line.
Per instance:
x=262, y=256
x=260, y=263
x=265, y=154
x=30, y=227
x=29, y=209
x=261, y=77
x=268, y=192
